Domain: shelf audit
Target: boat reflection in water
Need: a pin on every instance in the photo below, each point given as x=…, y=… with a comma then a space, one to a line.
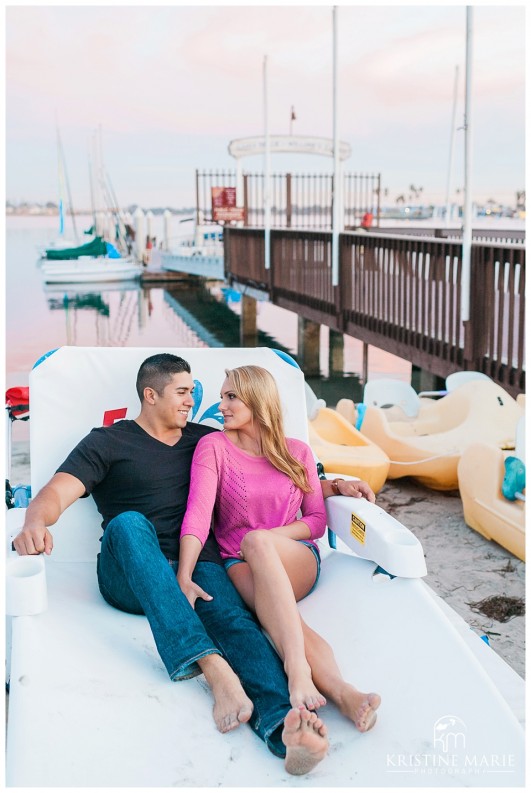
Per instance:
x=108, y=309
x=185, y=314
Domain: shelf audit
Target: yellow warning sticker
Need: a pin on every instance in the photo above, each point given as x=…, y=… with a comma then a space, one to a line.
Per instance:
x=357, y=529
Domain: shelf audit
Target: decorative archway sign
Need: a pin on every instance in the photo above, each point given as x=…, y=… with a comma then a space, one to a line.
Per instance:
x=239, y=148
x=290, y=144
x=287, y=144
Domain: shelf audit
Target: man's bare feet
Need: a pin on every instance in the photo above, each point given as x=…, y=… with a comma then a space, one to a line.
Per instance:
x=359, y=707
x=232, y=706
x=304, y=737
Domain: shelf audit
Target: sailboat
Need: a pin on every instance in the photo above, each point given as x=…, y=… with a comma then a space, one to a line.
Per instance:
x=96, y=260
x=82, y=265
x=61, y=242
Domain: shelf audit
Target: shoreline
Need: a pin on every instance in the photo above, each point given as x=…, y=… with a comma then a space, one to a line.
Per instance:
x=464, y=568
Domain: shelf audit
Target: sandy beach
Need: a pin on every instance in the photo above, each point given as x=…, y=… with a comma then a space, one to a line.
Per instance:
x=463, y=567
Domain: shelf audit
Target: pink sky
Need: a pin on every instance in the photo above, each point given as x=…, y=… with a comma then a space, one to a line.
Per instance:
x=172, y=85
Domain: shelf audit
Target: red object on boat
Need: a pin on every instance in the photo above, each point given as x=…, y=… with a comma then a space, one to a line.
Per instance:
x=17, y=401
x=366, y=221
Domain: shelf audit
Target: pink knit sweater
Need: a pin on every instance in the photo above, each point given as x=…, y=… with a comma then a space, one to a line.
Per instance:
x=247, y=492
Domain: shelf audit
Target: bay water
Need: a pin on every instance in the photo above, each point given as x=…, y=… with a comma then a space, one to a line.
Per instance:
x=41, y=317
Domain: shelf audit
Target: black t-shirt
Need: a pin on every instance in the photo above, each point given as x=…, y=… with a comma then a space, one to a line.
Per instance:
x=125, y=468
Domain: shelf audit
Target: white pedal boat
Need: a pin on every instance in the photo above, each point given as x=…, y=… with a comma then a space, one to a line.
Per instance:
x=91, y=704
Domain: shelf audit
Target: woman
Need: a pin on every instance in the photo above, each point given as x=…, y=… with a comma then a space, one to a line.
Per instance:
x=256, y=480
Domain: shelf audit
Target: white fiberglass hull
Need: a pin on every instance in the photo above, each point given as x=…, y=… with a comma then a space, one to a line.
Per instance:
x=90, y=696
x=102, y=270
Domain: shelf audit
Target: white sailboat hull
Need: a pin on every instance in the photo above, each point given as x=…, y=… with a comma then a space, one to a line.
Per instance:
x=82, y=271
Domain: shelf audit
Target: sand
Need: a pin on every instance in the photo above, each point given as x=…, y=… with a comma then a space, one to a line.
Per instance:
x=463, y=567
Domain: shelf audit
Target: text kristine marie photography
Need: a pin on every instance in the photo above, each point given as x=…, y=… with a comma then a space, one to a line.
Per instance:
x=448, y=755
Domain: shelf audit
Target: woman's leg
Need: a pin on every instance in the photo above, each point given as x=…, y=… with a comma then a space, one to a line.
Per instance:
x=356, y=705
x=282, y=569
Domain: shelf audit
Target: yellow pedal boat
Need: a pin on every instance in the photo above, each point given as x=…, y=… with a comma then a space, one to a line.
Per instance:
x=486, y=509
x=428, y=446
x=344, y=450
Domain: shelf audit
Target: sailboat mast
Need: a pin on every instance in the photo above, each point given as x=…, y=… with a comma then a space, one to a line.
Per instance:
x=68, y=193
x=451, y=156
x=60, y=179
x=267, y=176
x=336, y=182
x=467, y=202
x=91, y=184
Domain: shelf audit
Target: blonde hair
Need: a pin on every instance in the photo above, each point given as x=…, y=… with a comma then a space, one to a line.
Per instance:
x=256, y=387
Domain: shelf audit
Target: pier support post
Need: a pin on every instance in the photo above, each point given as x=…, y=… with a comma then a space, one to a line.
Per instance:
x=167, y=216
x=422, y=380
x=336, y=358
x=140, y=233
x=248, y=333
x=149, y=224
x=365, y=364
x=308, y=347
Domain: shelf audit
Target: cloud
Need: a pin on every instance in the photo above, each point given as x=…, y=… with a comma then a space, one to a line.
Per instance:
x=178, y=82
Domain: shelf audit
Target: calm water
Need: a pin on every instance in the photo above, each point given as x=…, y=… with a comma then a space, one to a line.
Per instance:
x=42, y=317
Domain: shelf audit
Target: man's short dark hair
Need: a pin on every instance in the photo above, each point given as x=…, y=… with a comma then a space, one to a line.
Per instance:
x=157, y=371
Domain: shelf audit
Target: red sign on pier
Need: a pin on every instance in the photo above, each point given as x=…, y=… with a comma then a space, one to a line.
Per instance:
x=224, y=205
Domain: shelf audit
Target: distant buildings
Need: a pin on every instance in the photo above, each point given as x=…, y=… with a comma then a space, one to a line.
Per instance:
x=405, y=211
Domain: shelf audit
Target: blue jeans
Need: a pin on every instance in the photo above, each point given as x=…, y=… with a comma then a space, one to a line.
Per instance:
x=134, y=576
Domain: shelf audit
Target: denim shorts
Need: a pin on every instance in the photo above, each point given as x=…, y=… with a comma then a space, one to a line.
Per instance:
x=313, y=548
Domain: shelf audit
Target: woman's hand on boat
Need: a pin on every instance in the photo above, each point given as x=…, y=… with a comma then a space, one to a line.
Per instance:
x=33, y=540
x=192, y=591
x=355, y=488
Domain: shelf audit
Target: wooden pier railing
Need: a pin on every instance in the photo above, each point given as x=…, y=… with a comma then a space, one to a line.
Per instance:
x=399, y=293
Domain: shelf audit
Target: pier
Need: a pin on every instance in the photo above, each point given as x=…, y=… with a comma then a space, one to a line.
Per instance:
x=398, y=289
x=398, y=292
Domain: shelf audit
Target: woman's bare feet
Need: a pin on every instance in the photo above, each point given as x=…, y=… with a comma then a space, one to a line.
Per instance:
x=359, y=707
x=302, y=692
x=232, y=706
x=304, y=737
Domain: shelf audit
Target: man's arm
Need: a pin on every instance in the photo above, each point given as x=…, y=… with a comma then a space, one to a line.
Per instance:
x=45, y=510
x=349, y=487
x=189, y=550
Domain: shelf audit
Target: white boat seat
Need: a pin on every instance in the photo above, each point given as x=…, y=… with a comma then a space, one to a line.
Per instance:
x=90, y=702
x=519, y=445
x=313, y=403
x=387, y=392
x=456, y=379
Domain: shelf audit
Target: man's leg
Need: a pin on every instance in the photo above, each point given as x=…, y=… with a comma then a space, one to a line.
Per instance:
x=134, y=576
x=242, y=642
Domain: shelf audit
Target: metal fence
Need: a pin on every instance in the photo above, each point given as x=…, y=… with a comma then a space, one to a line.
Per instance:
x=298, y=200
x=401, y=294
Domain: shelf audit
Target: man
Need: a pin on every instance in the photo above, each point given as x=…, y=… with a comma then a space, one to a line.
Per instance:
x=138, y=473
